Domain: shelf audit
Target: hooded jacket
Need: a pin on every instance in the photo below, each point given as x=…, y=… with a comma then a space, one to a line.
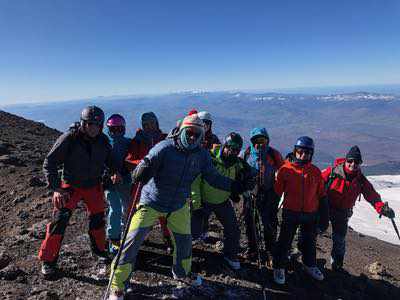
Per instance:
x=343, y=192
x=302, y=185
x=174, y=171
x=82, y=160
x=140, y=146
x=269, y=159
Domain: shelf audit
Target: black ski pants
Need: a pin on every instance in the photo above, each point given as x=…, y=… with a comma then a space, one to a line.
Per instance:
x=291, y=220
x=225, y=214
x=267, y=208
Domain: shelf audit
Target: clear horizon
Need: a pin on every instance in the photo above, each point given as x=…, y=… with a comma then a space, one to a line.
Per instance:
x=56, y=50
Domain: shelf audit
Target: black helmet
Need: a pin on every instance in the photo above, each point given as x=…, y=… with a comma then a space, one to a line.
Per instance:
x=92, y=114
x=305, y=142
x=233, y=139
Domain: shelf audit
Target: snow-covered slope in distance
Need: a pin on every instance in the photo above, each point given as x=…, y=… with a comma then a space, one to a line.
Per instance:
x=365, y=219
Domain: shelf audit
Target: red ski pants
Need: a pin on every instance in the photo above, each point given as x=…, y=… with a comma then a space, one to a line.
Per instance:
x=93, y=199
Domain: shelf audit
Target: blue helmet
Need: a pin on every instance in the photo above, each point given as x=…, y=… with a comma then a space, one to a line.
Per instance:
x=305, y=142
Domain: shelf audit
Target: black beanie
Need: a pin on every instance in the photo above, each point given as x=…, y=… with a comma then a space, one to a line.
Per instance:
x=354, y=153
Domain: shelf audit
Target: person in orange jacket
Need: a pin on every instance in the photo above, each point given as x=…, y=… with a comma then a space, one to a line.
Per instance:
x=344, y=183
x=146, y=137
x=304, y=205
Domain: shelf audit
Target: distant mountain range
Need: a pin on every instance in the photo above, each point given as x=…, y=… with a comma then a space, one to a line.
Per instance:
x=335, y=121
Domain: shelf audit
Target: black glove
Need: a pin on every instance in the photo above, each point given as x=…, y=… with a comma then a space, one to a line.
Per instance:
x=323, y=214
x=237, y=188
x=143, y=172
x=387, y=211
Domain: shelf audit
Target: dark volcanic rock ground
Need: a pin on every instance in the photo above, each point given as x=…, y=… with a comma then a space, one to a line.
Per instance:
x=25, y=207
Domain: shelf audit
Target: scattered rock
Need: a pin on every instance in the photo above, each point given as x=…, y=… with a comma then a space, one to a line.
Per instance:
x=11, y=273
x=36, y=182
x=11, y=160
x=4, y=150
x=5, y=259
x=23, y=215
x=377, y=270
x=19, y=200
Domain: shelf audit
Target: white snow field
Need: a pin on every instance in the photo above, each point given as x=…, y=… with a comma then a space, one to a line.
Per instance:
x=366, y=220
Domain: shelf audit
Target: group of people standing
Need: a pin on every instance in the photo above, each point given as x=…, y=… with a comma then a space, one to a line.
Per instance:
x=180, y=178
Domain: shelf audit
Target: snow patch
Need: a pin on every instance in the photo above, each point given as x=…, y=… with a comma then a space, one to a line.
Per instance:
x=365, y=219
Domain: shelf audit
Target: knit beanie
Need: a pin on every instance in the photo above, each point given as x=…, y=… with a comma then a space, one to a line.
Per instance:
x=354, y=153
x=192, y=121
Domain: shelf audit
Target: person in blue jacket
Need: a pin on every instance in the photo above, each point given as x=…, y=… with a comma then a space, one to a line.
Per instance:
x=118, y=194
x=167, y=173
x=264, y=161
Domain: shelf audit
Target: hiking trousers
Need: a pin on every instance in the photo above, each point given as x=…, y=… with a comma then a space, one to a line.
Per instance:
x=268, y=212
x=339, y=219
x=225, y=214
x=178, y=222
x=163, y=222
x=93, y=198
x=291, y=220
x=118, y=198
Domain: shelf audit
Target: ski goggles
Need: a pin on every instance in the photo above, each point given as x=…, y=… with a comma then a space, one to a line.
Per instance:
x=207, y=122
x=193, y=132
x=233, y=147
x=116, y=129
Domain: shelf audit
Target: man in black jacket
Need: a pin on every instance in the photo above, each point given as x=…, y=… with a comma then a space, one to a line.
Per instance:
x=82, y=152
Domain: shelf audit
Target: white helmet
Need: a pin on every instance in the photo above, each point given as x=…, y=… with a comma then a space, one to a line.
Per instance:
x=205, y=115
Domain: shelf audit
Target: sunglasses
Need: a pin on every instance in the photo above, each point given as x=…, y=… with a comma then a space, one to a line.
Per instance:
x=207, y=122
x=355, y=161
x=302, y=151
x=260, y=140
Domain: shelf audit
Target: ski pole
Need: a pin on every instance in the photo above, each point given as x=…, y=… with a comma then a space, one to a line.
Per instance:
x=395, y=228
x=393, y=222
x=125, y=233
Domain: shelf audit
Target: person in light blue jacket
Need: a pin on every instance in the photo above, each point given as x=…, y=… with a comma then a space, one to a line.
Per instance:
x=118, y=194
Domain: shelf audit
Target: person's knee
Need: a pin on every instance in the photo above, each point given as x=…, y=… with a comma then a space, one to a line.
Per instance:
x=60, y=222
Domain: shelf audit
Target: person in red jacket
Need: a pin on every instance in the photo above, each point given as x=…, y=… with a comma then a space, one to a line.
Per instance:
x=145, y=138
x=304, y=199
x=344, y=184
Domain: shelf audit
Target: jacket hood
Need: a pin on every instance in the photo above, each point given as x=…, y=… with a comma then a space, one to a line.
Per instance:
x=259, y=131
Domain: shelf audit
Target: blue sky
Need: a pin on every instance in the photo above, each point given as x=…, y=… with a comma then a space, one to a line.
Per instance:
x=57, y=50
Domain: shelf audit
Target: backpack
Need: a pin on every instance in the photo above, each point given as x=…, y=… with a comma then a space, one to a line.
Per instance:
x=333, y=176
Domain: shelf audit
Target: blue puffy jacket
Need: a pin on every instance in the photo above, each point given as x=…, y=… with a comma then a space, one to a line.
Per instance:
x=174, y=171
